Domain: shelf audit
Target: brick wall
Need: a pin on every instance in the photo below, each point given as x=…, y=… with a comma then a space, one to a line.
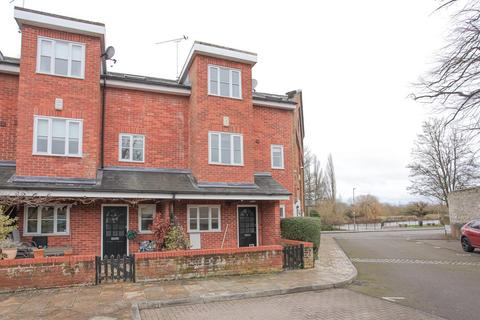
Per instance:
x=46, y=272
x=81, y=100
x=161, y=118
x=203, y=263
x=275, y=126
x=206, y=114
x=8, y=115
x=463, y=206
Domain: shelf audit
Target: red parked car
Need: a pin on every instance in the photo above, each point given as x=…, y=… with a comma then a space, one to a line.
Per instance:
x=471, y=235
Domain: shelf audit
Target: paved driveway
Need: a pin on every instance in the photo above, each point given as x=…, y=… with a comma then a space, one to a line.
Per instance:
x=420, y=268
x=333, y=304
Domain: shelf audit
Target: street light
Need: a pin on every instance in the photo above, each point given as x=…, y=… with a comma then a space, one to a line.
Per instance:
x=353, y=211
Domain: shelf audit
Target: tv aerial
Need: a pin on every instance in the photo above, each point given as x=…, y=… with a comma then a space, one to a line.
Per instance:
x=176, y=41
x=23, y=2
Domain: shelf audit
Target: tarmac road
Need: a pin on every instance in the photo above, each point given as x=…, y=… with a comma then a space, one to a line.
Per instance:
x=419, y=269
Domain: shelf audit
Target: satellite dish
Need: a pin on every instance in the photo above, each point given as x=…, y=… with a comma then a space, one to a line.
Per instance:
x=254, y=84
x=109, y=53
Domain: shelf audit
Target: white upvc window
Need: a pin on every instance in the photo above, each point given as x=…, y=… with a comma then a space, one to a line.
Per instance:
x=131, y=147
x=146, y=214
x=203, y=218
x=47, y=220
x=57, y=136
x=277, y=156
x=61, y=58
x=225, y=148
x=224, y=82
x=282, y=211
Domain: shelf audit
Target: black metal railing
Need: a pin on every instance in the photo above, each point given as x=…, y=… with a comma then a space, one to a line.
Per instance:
x=115, y=269
x=293, y=257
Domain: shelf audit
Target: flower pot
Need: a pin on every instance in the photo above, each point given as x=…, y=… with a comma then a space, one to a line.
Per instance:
x=38, y=253
x=68, y=252
x=10, y=253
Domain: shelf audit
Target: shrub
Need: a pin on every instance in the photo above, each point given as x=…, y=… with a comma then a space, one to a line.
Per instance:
x=7, y=224
x=302, y=229
x=176, y=239
x=159, y=227
x=314, y=213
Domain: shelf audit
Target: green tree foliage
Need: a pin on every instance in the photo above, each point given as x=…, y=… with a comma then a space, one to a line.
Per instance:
x=7, y=224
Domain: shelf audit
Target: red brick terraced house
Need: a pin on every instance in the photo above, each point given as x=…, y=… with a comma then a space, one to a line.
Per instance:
x=109, y=151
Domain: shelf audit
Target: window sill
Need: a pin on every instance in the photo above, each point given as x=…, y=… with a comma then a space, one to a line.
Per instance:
x=60, y=75
x=228, y=97
x=204, y=231
x=145, y=232
x=278, y=168
x=57, y=155
x=226, y=165
x=45, y=234
x=130, y=161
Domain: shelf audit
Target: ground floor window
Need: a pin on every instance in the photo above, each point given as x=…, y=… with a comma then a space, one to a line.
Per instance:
x=203, y=218
x=47, y=220
x=282, y=211
x=146, y=213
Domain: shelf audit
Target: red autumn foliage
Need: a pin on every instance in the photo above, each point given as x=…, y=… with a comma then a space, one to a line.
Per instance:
x=159, y=227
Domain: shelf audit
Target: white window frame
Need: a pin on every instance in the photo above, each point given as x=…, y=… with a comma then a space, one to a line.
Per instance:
x=282, y=210
x=39, y=221
x=272, y=147
x=219, y=229
x=131, y=136
x=143, y=206
x=52, y=57
x=232, y=150
x=49, y=137
x=230, y=82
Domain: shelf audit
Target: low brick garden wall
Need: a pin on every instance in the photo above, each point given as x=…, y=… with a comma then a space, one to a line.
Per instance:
x=308, y=255
x=187, y=264
x=19, y=274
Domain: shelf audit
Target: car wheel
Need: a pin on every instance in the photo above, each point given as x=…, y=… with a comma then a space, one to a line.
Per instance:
x=466, y=245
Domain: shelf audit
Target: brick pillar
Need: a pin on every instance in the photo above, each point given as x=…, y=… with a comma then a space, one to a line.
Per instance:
x=270, y=221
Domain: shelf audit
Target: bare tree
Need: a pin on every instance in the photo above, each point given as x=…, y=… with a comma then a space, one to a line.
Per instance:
x=314, y=177
x=442, y=161
x=330, y=181
x=453, y=86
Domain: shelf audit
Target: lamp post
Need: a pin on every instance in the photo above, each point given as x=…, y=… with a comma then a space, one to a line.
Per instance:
x=353, y=211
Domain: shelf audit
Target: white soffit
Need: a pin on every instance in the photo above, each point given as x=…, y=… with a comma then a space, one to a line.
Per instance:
x=217, y=52
x=134, y=195
x=58, y=23
x=146, y=87
x=271, y=104
x=8, y=68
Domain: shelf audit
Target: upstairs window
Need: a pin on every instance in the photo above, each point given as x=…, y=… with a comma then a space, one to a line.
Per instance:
x=224, y=82
x=57, y=137
x=225, y=148
x=132, y=147
x=277, y=156
x=61, y=58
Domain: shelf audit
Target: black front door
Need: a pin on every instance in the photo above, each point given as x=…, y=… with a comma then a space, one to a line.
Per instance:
x=114, y=230
x=247, y=226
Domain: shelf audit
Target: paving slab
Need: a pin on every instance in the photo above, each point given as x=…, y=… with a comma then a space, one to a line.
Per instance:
x=124, y=300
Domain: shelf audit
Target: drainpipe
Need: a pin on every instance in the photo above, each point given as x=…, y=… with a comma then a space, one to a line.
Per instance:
x=102, y=125
x=172, y=210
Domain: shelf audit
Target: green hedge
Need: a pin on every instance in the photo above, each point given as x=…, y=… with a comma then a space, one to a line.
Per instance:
x=303, y=229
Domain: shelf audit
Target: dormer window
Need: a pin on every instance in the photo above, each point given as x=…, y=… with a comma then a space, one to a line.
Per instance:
x=61, y=58
x=224, y=82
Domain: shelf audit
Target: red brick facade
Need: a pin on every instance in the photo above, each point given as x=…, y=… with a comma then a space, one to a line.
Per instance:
x=175, y=127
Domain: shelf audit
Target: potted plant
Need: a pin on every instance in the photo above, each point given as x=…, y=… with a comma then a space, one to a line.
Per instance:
x=38, y=253
x=9, y=249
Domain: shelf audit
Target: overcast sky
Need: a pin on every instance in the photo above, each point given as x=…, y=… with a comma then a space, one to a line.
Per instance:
x=354, y=60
